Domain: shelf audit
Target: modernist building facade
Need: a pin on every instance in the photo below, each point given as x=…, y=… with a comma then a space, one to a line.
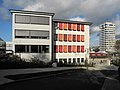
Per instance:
x=107, y=37
x=71, y=41
x=37, y=34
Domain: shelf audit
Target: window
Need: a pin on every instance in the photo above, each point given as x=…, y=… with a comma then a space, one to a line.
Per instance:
x=74, y=60
x=36, y=34
x=60, y=60
x=65, y=26
x=56, y=48
x=69, y=26
x=82, y=49
x=39, y=34
x=74, y=27
x=74, y=38
x=21, y=33
x=60, y=37
x=82, y=27
x=74, y=48
x=19, y=48
x=31, y=19
x=39, y=20
x=22, y=19
x=82, y=59
x=60, y=26
x=69, y=37
x=69, y=49
x=34, y=48
x=78, y=38
x=55, y=26
x=69, y=60
x=55, y=37
x=78, y=48
x=78, y=60
x=65, y=37
x=60, y=48
x=65, y=60
x=82, y=38
x=45, y=48
x=65, y=48
x=78, y=27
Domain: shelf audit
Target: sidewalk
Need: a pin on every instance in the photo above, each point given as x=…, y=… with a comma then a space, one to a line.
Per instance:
x=7, y=72
x=109, y=84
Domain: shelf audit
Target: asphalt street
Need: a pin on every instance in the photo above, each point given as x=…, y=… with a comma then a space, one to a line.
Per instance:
x=69, y=81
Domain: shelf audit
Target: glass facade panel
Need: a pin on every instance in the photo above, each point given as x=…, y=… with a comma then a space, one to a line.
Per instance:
x=65, y=26
x=69, y=37
x=82, y=49
x=78, y=38
x=74, y=38
x=65, y=37
x=74, y=49
x=78, y=27
x=60, y=37
x=65, y=48
x=60, y=26
x=69, y=26
x=69, y=49
x=82, y=38
x=60, y=49
x=82, y=27
x=74, y=27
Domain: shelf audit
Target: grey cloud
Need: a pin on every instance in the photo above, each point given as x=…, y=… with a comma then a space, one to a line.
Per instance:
x=96, y=11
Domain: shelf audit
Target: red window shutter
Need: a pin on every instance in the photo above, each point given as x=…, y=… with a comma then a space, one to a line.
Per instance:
x=82, y=49
x=56, y=49
x=78, y=38
x=78, y=48
x=60, y=26
x=82, y=27
x=65, y=37
x=74, y=38
x=60, y=48
x=69, y=49
x=78, y=27
x=69, y=26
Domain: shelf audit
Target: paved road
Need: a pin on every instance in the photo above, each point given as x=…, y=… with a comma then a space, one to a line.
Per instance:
x=81, y=80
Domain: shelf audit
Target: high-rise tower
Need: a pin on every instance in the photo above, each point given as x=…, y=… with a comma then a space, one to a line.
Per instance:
x=107, y=37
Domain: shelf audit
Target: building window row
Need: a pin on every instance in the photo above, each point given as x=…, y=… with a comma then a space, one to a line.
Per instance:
x=70, y=60
x=31, y=48
x=69, y=37
x=68, y=49
x=35, y=34
x=71, y=26
x=27, y=19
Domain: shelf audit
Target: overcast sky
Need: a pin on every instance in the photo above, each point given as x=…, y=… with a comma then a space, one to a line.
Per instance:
x=95, y=11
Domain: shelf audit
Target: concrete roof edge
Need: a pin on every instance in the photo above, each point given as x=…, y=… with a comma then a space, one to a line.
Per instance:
x=70, y=21
x=31, y=12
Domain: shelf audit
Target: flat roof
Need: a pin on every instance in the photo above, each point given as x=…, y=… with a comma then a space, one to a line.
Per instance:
x=31, y=12
x=70, y=21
